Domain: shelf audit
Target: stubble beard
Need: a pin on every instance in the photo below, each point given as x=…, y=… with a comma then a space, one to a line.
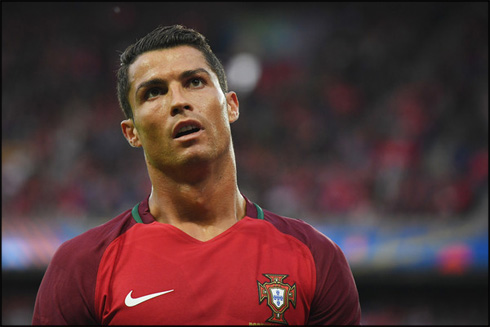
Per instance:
x=191, y=167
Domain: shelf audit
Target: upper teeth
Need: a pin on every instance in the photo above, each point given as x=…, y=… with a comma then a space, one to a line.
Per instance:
x=186, y=128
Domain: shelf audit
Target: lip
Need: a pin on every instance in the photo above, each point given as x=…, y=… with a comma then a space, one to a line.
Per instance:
x=185, y=123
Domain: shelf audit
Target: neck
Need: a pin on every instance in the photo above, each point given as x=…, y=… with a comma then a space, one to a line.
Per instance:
x=203, y=203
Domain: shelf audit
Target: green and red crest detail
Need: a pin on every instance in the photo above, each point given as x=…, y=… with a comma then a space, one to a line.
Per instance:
x=279, y=295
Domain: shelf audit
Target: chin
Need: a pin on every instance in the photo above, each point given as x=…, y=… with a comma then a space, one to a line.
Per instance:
x=197, y=155
x=194, y=157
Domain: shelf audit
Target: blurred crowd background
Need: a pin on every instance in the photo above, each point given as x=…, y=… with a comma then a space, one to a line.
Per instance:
x=357, y=113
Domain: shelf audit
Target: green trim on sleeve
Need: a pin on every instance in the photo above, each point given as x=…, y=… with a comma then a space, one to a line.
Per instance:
x=136, y=214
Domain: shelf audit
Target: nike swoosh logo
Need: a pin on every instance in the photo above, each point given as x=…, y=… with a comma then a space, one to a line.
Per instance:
x=131, y=302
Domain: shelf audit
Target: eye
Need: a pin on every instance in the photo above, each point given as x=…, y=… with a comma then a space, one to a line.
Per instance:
x=152, y=93
x=196, y=82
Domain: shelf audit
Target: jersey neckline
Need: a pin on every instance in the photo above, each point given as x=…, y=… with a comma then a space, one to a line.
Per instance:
x=136, y=215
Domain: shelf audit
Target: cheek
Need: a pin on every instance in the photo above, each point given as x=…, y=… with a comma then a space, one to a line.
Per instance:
x=151, y=128
x=221, y=119
x=212, y=109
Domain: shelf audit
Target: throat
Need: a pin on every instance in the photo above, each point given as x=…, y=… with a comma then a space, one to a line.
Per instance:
x=201, y=216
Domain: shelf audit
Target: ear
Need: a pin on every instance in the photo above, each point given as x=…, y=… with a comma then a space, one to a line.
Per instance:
x=233, y=106
x=130, y=133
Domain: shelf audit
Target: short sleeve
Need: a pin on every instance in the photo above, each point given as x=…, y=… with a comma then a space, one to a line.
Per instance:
x=336, y=300
x=66, y=293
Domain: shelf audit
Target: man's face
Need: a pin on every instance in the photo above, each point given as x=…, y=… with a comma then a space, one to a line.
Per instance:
x=180, y=113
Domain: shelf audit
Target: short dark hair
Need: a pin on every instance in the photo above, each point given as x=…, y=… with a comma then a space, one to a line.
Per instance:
x=164, y=37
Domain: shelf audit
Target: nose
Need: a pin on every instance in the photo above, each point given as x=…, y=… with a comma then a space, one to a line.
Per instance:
x=179, y=102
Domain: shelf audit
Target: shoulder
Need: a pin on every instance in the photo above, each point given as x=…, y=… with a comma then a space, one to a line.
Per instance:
x=92, y=243
x=322, y=248
x=317, y=242
x=80, y=256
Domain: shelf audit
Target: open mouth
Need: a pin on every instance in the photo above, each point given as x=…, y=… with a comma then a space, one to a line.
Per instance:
x=187, y=130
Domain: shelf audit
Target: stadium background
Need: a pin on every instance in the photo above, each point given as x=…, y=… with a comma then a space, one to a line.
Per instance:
x=368, y=120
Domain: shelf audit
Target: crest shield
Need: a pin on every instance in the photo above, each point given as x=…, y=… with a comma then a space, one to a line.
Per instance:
x=278, y=295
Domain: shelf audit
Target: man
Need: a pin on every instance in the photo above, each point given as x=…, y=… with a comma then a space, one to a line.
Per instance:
x=196, y=251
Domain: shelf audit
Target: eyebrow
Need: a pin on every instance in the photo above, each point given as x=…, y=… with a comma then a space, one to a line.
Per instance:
x=189, y=73
x=160, y=81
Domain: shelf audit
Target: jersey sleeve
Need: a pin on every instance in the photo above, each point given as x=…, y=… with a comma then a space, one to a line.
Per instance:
x=336, y=300
x=66, y=293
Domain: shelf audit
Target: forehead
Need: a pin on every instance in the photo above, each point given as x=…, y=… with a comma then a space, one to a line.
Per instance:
x=164, y=63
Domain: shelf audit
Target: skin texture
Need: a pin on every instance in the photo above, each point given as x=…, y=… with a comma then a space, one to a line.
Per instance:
x=194, y=185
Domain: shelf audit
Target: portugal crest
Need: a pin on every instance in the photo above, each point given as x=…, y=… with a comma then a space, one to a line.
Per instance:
x=278, y=295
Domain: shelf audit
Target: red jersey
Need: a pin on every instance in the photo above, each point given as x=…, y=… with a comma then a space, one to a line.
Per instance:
x=265, y=269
